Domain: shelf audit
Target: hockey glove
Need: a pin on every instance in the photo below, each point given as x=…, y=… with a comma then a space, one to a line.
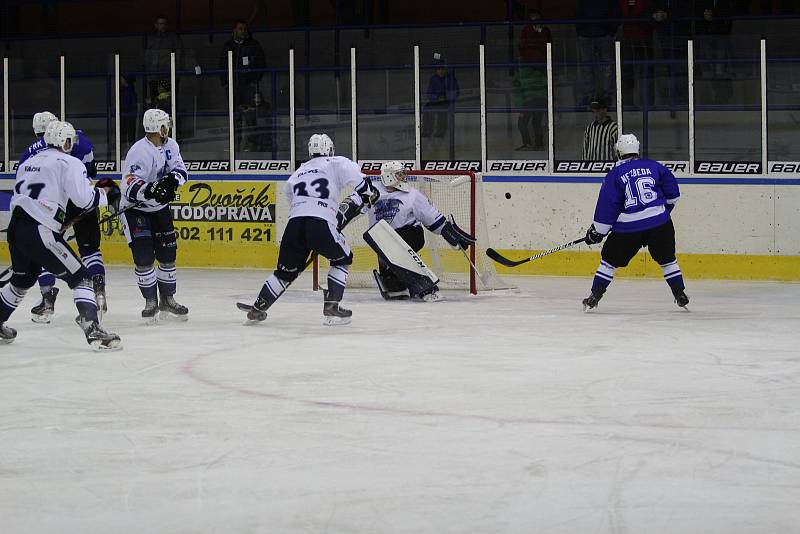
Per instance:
x=456, y=236
x=113, y=196
x=367, y=193
x=348, y=210
x=593, y=236
x=162, y=191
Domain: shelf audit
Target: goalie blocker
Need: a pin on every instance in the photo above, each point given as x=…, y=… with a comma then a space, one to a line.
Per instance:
x=401, y=259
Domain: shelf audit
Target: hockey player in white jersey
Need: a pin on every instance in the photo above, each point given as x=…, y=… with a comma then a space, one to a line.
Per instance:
x=44, y=184
x=152, y=173
x=407, y=209
x=313, y=193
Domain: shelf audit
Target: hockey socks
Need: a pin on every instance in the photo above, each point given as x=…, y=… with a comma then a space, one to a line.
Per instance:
x=83, y=295
x=146, y=279
x=10, y=298
x=673, y=275
x=167, y=278
x=46, y=281
x=337, y=281
x=603, y=277
x=94, y=263
x=271, y=291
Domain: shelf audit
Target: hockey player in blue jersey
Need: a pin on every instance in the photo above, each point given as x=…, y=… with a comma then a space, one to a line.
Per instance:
x=87, y=229
x=634, y=204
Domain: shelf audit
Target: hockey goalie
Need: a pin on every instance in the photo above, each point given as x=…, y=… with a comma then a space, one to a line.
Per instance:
x=403, y=210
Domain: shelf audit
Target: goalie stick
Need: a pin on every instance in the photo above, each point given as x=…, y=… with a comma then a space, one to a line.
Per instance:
x=502, y=260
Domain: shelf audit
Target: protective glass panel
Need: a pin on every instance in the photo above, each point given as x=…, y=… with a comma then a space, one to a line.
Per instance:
x=202, y=127
x=516, y=92
x=386, y=107
x=655, y=97
x=783, y=97
x=583, y=74
x=133, y=94
x=450, y=100
x=727, y=96
x=33, y=86
x=322, y=99
x=90, y=103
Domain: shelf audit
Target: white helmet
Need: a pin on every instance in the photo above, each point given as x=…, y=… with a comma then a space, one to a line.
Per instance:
x=157, y=121
x=41, y=120
x=320, y=145
x=627, y=144
x=393, y=174
x=61, y=135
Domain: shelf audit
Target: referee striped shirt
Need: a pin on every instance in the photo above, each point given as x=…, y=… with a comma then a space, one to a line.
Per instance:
x=599, y=141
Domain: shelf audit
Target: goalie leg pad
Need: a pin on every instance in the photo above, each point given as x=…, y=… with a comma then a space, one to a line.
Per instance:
x=400, y=258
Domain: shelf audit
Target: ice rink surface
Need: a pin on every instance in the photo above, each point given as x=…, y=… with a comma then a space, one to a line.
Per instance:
x=511, y=412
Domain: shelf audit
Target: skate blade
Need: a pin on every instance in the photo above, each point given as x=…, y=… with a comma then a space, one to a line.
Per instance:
x=432, y=297
x=150, y=321
x=42, y=319
x=336, y=321
x=7, y=341
x=165, y=315
x=113, y=346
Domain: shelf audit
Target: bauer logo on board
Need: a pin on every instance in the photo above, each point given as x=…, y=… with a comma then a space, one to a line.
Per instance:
x=517, y=166
x=265, y=166
x=474, y=166
x=375, y=165
x=784, y=167
x=584, y=166
x=195, y=166
x=727, y=167
x=105, y=166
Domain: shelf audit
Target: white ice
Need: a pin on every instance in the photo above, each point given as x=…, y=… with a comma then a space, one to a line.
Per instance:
x=511, y=412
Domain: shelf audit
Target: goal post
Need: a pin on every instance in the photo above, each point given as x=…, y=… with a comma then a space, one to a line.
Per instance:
x=458, y=195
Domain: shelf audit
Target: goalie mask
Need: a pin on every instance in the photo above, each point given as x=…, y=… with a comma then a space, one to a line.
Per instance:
x=320, y=145
x=157, y=121
x=41, y=120
x=61, y=135
x=627, y=145
x=393, y=174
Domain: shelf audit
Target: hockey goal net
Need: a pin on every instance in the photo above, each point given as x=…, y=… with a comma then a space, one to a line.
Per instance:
x=455, y=193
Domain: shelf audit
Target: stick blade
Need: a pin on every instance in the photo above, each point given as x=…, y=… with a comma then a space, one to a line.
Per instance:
x=494, y=255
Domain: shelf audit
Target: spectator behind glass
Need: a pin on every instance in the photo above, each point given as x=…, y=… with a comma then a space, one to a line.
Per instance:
x=442, y=93
x=601, y=134
x=160, y=44
x=248, y=60
x=636, y=45
x=713, y=42
x=530, y=81
x=596, y=45
x=672, y=27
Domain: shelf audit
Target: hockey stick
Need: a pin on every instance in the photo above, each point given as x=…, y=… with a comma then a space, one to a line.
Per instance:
x=496, y=256
x=481, y=276
x=70, y=238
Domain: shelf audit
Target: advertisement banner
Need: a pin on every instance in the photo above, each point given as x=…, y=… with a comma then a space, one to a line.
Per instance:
x=219, y=223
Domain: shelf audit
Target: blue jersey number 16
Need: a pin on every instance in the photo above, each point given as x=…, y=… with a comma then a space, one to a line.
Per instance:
x=644, y=191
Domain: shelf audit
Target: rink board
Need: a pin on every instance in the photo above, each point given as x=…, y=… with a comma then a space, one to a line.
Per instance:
x=726, y=227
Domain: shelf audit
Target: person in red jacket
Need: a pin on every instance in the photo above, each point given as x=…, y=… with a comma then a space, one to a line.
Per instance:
x=530, y=81
x=636, y=44
x=533, y=40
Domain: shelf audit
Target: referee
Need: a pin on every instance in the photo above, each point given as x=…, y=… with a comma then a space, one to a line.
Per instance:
x=600, y=135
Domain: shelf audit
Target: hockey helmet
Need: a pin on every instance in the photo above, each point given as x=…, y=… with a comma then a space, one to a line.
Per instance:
x=627, y=144
x=320, y=145
x=393, y=174
x=41, y=120
x=157, y=121
x=61, y=135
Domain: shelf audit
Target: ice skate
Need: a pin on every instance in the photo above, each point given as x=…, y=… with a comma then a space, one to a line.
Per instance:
x=43, y=312
x=150, y=311
x=680, y=298
x=97, y=337
x=99, y=283
x=432, y=296
x=334, y=314
x=170, y=309
x=7, y=334
x=255, y=313
x=591, y=302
